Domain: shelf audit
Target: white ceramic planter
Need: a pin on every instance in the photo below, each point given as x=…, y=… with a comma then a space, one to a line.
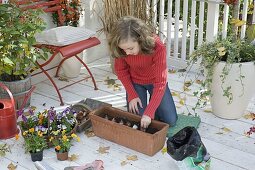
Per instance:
x=241, y=97
x=72, y=66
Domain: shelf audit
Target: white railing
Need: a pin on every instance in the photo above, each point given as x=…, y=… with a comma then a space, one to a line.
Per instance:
x=184, y=34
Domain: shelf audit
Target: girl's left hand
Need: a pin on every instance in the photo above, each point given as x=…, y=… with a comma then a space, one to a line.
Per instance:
x=145, y=121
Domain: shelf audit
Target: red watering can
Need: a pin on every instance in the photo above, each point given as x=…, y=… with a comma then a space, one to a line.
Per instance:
x=8, y=119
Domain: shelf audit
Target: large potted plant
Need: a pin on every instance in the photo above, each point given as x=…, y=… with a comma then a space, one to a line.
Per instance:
x=228, y=66
x=17, y=51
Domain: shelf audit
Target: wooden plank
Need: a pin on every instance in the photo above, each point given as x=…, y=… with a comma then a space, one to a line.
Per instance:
x=233, y=158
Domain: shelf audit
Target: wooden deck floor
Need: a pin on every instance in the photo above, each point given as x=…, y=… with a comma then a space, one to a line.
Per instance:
x=230, y=150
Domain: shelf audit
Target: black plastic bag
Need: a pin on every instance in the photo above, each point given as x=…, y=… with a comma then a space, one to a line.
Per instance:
x=186, y=143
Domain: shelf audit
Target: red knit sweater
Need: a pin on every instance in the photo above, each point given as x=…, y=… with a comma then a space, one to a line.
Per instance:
x=144, y=69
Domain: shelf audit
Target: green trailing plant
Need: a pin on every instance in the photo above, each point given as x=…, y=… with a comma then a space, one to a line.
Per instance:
x=209, y=54
x=17, y=52
x=230, y=50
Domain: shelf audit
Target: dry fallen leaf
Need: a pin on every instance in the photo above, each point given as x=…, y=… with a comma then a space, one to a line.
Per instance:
x=89, y=133
x=73, y=157
x=219, y=133
x=11, y=166
x=185, y=88
x=249, y=116
x=132, y=158
x=116, y=87
x=3, y=149
x=172, y=71
x=208, y=110
x=110, y=81
x=175, y=94
x=182, y=101
x=103, y=150
x=226, y=129
x=123, y=163
x=187, y=83
x=240, y=23
x=164, y=150
x=199, y=81
x=63, y=79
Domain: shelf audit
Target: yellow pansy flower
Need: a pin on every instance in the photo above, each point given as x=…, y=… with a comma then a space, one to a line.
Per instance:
x=24, y=133
x=51, y=138
x=64, y=138
x=221, y=49
x=58, y=148
x=17, y=136
x=31, y=130
x=74, y=135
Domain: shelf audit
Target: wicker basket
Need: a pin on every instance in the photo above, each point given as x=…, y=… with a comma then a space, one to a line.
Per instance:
x=146, y=143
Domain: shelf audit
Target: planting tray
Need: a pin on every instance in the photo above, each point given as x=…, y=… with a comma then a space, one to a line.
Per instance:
x=140, y=141
x=87, y=106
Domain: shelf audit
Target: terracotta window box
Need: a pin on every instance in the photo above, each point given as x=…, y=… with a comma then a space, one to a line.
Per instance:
x=137, y=140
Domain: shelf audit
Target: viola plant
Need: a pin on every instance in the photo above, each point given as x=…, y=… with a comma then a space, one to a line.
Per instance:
x=49, y=121
x=34, y=140
x=62, y=141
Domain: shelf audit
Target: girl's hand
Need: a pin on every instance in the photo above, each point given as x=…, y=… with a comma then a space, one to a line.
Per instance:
x=133, y=105
x=145, y=121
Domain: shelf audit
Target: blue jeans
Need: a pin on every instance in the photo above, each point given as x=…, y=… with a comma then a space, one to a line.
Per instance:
x=166, y=111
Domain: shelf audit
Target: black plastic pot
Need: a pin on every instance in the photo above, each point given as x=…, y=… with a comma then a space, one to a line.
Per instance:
x=37, y=156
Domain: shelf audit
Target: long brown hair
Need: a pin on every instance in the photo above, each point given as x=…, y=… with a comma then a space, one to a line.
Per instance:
x=129, y=27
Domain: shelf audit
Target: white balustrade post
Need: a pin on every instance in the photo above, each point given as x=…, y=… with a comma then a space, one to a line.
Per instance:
x=161, y=19
x=212, y=20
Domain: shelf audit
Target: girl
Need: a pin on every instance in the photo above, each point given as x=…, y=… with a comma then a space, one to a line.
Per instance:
x=140, y=64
